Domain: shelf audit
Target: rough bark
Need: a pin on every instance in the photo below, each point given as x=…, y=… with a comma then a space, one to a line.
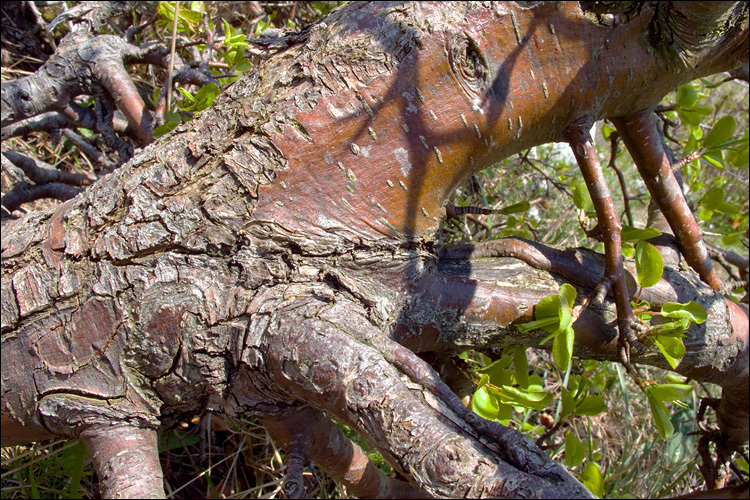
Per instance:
x=277, y=255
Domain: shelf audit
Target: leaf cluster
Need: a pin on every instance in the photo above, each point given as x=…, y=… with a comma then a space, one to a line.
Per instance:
x=705, y=122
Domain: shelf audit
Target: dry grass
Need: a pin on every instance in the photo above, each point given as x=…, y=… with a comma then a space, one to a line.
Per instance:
x=206, y=458
x=214, y=458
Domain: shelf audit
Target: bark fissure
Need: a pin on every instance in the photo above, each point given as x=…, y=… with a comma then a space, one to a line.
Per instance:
x=278, y=256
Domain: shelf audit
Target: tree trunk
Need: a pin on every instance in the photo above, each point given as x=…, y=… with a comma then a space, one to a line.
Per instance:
x=274, y=256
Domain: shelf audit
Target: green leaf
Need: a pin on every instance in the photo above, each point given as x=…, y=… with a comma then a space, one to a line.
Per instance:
x=516, y=208
x=691, y=310
x=721, y=132
x=567, y=298
x=669, y=392
x=527, y=399
x=568, y=403
x=237, y=41
x=715, y=157
x=661, y=416
x=261, y=26
x=714, y=200
x=581, y=197
x=672, y=344
x=208, y=92
x=503, y=362
x=728, y=208
x=689, y=117
x=673, y=378
x=702, y=109
x=568, y=292
x=630, y=233
x=692, y=170
x=591, y=405
x=691, y=145
x=185, y=18
x=206, y=95
x=739, y=158
x=674, y=328
x=228, y=30
x=242, y=65
x=627, y=249
x=230, y=56
x=87, y=133
x=163, y=129
x=521, y=366
x=730, y=239
x=504, y=413
x=547, y=315
x=501, y=375
x=670, y=359
x=601, y=381
x=574, y=450
x=191, y=16
x=562, y=348
x=553, y=314
x=166, y=10
x=536, y=324
x=485, y=404
x=537, y=429
x=686, y=96
x=202, y=99
x=696, y=131
x=733, y=145
x=648, y=263
x=535, y=383
x=593, y=479
x=672, y=348
x=187, y=95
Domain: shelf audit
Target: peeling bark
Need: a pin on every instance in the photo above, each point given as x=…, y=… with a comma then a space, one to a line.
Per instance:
x=263, y=258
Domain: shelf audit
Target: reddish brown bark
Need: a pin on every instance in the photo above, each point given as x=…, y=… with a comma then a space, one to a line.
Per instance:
x=645, y=145
x=263, y=258
x=310, y=432
x=608, y=229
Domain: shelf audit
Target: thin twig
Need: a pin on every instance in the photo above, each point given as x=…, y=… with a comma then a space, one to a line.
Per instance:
x=171, y=60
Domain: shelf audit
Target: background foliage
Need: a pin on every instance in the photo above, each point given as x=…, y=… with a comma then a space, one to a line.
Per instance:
x=591, y=416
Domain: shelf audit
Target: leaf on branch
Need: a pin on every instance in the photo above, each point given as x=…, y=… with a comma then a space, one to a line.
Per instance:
x=527, y=399
x=574, y=450
x=582, y=198
x=516, y=208
x=672, y=348
x=661, y=417
x=649, y=264
x=669, y=392
x=691, y=310
x=591, y=406
x=593, y=479
x=713, y=200
x=485, y=404
x=521, y=366
x=553, y=314
x=630, y=233
x=722, y=132
x=686, y=96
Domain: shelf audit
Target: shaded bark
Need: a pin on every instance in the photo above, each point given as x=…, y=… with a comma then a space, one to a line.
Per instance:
x=277, y=256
